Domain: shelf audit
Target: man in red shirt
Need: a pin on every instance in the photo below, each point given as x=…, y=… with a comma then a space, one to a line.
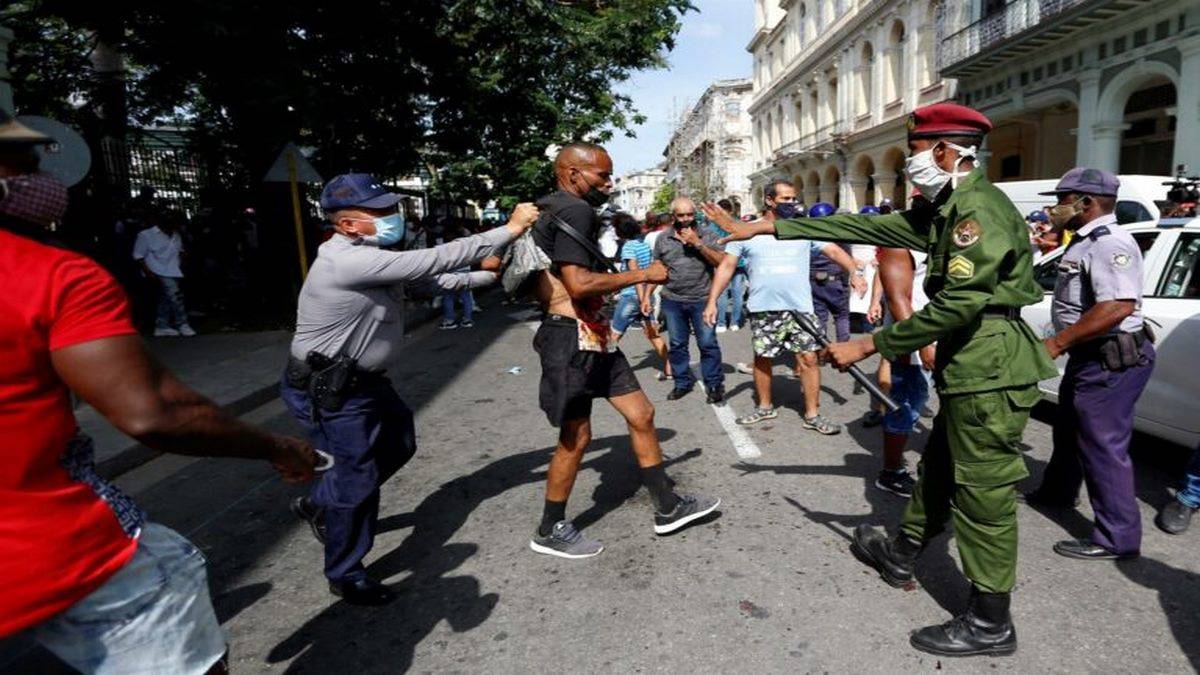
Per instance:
x=77, y=557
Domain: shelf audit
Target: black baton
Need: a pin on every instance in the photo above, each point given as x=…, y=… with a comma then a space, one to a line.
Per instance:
x=854, y=370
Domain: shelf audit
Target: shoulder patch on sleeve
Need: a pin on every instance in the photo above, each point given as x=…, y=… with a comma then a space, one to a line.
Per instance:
x=960, y=268
x=967, y=233
x=1121, y=260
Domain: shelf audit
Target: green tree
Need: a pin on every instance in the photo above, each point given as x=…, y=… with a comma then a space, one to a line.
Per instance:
x=663, y=197
x=471, y=88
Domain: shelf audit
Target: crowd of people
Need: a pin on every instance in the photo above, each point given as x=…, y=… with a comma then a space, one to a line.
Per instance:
x=954, y=268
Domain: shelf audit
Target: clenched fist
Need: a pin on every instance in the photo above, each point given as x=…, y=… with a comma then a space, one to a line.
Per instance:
x=656, y=273
x=523, y=217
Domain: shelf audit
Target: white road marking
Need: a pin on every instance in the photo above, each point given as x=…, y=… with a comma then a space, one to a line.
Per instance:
x=743, y=445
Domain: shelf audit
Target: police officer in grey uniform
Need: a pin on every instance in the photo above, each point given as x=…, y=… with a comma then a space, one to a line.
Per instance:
x=347, y=326
x=1097, y=316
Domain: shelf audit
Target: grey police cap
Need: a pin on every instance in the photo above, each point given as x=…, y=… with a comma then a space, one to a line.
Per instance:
x=1083, y=180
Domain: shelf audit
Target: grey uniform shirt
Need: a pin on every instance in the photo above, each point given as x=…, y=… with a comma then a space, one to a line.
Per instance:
x=1102, y=263
x=689, y=276
x=352, y=297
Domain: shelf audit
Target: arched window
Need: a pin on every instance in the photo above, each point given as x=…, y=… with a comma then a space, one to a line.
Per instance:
x=866, y=63
x=895, y=64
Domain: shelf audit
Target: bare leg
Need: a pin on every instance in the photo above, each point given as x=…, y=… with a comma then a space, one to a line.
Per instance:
x=573, y=439
x=660, y=346
x=638, y=412
x=893, y=451
x=810, y=377
x=884, y=377
x=762, y=380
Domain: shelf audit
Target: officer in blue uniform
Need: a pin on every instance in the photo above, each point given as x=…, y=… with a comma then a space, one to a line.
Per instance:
x=1097, y=316
x=830, y=288
x=336, y=386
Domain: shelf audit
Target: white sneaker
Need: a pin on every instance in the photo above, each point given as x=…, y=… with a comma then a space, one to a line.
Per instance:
x=166, y=332
x=187, y=331
x=721, y=329
x=735, y=328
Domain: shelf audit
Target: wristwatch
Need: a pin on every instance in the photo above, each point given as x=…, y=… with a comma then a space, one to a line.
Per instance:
x=859, y=273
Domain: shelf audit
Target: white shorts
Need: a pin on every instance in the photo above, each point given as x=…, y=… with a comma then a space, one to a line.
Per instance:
x=153, y=616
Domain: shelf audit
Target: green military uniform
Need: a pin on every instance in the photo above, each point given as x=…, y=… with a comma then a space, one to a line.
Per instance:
x=987, y=367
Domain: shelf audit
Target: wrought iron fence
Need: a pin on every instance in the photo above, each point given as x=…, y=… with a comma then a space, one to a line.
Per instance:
x=159, y=160
x=1016, y=17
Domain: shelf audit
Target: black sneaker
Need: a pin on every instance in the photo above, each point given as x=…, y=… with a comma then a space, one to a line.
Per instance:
x=896, y=482
x=448, y=325
x=303, y=508
x=565, y=541
x=678, y=393
x=689, y=508
x=467, y=324
x=873, y=418
x=716, y=395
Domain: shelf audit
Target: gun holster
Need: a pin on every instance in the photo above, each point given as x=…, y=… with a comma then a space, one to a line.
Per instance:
x=1121, y=351
x=329, y=381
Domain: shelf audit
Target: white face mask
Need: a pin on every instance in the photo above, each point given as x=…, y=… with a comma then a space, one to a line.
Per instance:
x=930, y=178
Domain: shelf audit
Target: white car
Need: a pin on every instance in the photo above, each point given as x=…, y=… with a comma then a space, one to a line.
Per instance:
x=1170, y=406
x=1136, y=199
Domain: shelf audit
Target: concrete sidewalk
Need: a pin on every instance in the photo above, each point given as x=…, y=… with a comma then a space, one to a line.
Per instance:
x=240, y=371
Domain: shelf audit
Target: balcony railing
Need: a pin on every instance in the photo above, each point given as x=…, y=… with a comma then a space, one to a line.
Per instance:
x=1017, y=17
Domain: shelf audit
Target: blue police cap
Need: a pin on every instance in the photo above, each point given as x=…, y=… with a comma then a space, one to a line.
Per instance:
x=356, y=190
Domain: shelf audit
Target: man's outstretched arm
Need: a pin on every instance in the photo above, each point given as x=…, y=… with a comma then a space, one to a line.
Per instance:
x=581, y=282
x=123, y=382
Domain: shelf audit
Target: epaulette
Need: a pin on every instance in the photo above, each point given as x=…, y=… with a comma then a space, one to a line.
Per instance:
x=1099, y=232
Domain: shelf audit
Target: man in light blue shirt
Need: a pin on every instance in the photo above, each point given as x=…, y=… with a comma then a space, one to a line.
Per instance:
x=778, y=272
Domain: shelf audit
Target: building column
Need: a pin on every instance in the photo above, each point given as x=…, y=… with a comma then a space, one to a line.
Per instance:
x=1106, y=145
x=878, y=73
x=1187, y=116
x=885, y=188
x=855, y=196
x=6, y=94
x=1089, y=98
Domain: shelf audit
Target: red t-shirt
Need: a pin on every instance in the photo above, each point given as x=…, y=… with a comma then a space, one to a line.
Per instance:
x=59, y=539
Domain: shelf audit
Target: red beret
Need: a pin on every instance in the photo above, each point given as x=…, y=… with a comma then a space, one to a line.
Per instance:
x=947, y=119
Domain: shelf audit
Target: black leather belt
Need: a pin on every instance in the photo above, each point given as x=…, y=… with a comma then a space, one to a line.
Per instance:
x=298, y=373
x=1092, y=348
x=1000, y=312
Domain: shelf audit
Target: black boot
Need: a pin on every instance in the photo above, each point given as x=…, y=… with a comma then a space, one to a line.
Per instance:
x=895, y=560
x=985, y=628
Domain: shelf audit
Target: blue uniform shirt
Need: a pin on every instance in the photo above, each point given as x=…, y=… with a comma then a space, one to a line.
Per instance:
x=1102, y=263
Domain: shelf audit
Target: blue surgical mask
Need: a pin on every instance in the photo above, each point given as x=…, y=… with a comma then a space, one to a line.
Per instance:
x=787, y=210
x=388, y=230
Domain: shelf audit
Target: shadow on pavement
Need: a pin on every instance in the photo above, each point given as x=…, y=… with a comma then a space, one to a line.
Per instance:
x=429, y=593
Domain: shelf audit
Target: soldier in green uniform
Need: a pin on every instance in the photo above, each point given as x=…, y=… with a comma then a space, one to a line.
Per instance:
x=987, y=367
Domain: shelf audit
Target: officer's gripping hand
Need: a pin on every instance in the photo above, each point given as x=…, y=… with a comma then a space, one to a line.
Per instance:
x=656, y=273
x=928, y=356
x=490, y=264
x=523, y=217
x=294, y=459
x=842, y=355
x=859, y=284
x=737, y=229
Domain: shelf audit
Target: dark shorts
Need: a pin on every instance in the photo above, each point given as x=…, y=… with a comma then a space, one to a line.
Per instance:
x=572, y=378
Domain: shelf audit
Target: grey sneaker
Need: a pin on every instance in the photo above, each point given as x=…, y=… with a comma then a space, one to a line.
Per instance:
x=565, y=541
x=821, y=425
x=758, y=415
x=689, y=508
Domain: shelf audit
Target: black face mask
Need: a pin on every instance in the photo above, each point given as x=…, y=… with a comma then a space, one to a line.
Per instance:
x=594, y=197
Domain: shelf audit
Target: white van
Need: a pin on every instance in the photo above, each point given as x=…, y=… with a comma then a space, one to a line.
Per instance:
x=1135, y=200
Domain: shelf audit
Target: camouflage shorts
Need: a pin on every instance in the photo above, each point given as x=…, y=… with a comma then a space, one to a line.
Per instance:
x=775, y=333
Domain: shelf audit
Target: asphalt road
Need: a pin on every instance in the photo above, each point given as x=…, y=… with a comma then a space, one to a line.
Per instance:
x=768, y=586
